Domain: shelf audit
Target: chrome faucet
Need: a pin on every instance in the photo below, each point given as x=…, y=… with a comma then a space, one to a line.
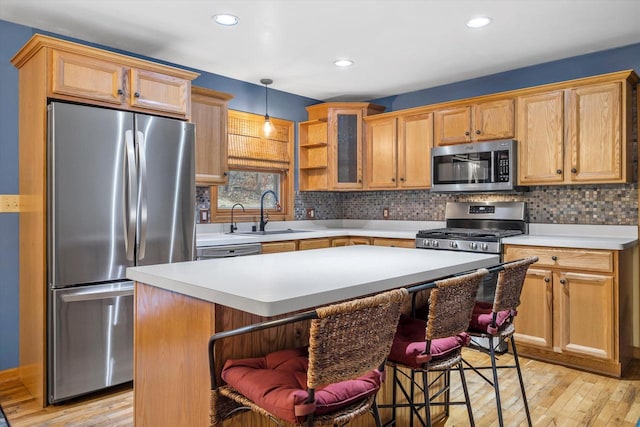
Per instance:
x=233, y=227
x=263, y=221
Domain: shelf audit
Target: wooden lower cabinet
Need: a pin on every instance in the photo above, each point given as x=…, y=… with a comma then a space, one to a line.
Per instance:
x=348, y=241
x=274, y=247
x=394, y=243
x=323, y=242
x=576, y=307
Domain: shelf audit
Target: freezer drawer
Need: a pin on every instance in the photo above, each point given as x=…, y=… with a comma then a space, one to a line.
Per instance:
x=90, y=339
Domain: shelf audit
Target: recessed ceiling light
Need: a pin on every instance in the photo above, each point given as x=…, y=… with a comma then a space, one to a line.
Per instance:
x=478, y=22
x=226, y=19
x=343, y=63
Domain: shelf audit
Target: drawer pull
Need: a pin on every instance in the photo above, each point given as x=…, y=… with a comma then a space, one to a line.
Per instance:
x=554, y=258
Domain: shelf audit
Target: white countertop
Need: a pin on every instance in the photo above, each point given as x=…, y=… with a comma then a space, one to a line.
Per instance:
x=611, y=237
x=279, y=283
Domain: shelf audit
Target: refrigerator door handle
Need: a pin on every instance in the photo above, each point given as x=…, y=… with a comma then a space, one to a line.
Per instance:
x=129, y=195
x=82, y=295
x=142, y=193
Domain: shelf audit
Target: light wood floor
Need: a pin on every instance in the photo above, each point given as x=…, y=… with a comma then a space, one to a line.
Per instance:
x=557, y=396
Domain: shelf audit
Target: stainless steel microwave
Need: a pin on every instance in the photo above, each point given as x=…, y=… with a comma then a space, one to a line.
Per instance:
x=475, y=167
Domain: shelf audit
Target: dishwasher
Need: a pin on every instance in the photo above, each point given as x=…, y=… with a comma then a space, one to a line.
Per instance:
x=228, y=251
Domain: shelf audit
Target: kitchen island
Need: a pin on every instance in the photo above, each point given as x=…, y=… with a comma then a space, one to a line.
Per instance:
x=179, y=306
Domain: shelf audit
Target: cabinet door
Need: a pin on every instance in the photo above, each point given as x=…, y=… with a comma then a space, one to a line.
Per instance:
x=346, y=142
x=595, y=133
x=313, y=244
x=452, y=126
x=415, y=139
x=535, y=314
x=340, y=241
x=493, y=120
x=85, y=77
x=394, y=243
x=275, y=247
x=381, y=153
x=586, y=314
x=210, y=116
x=540, y=138
x=155, y=91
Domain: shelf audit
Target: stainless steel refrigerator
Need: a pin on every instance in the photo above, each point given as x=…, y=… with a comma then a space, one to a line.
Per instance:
x=121, y=192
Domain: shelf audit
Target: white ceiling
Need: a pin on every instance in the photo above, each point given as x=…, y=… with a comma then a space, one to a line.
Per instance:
x=398, y=45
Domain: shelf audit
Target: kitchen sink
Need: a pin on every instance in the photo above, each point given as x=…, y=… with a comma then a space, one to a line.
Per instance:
x=268, y=232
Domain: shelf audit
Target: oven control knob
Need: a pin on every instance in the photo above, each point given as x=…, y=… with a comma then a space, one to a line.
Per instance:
x=435, y=243
x=473, y=245
x=484, y=247
x=425, y=242
x=453, y=244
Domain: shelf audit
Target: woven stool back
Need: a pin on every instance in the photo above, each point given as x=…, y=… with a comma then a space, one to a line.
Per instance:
x=351, y=338
x=451, y=305
x=510, y=283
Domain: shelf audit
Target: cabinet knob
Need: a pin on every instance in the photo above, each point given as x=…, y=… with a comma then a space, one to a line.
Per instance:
x=559, y=171
x=478, y=132
x=555, y=258
x=359, y=181
x=574, y=170
x=120, y=92
x=402, y=179
x=225, y=174
x=547, y=280
x=563, y=281
x=466, y=134
x=137, y=95
x=393, y=180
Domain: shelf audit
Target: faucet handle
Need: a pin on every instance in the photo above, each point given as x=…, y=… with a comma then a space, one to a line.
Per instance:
x=278, y=207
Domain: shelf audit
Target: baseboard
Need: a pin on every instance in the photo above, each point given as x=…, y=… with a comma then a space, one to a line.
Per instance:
x=12, y=374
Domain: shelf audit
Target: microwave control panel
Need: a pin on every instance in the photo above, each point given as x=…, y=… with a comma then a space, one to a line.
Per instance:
x=502, y=163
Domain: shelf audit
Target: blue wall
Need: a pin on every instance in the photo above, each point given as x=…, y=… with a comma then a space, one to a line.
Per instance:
x=608, y=61
x=247, y=97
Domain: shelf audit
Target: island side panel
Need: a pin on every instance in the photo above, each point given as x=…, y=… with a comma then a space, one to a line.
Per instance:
x=171, y=367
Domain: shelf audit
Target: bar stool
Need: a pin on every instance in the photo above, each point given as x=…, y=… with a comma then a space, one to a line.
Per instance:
x=494, y=323
x=332, y=381
x=434, y=345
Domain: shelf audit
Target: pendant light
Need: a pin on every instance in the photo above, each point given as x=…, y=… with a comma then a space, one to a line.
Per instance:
x=268, y=126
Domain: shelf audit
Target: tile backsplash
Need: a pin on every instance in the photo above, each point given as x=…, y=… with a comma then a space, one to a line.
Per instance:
x=614, y=204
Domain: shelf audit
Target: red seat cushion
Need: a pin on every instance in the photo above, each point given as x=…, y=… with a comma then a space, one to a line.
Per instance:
x=482, y=315
x=409, y=342
x=277, y=382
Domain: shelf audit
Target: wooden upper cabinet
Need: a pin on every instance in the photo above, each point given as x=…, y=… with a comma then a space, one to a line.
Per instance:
x=80, y=73
x=575, y=135
x=595, y=134
x=541, y=138
x=85, y=77
x=159, y=92
x=209, y=113
x=415, y=140
x=398, y=151
x=331, y=146
x=478, y=122
x=381, y=153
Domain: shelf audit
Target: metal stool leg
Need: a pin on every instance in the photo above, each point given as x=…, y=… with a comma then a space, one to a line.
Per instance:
x=495, y=381
x=524, y=394
x=463, y=379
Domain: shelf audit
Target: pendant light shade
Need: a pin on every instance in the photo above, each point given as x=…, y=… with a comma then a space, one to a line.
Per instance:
x=268, y=126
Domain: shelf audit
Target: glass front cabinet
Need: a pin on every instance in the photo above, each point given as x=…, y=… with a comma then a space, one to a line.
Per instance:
x=332, y=160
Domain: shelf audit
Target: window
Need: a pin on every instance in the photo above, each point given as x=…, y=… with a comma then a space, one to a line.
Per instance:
x=256, y=163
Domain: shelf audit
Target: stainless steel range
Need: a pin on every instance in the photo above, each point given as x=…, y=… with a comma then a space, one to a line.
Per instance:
x=476, y=227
